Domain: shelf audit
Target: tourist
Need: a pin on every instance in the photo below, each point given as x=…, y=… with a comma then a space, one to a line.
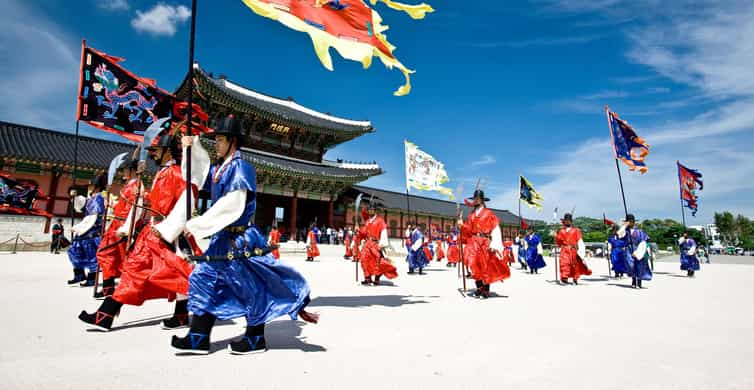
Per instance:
x=484, y=246
x=534, y=252
x=616, y=246
x=312, y=250
x=374, y=264
x=87, y=233
x=689, y=261
x=417, y=258
x=58, y=233
x=112, y=249
x=572, y=251
x=152, y=269
x=347, y=235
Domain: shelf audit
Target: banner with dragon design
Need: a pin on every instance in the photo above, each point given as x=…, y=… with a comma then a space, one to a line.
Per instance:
x=115, y=100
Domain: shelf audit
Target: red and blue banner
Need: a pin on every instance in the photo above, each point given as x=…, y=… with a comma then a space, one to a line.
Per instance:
x=690, y=181
x=115, y=100
x=629, y=147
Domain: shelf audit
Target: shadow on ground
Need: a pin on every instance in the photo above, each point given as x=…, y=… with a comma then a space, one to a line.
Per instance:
x=368, y=300
x=278, y=335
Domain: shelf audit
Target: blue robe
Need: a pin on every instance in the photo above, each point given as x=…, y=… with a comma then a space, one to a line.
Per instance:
x=534, y=260
x=259, y=288
x=638, y=268
x=417, y=259
x=689, y=262
x=83, y=250
x=618, y=254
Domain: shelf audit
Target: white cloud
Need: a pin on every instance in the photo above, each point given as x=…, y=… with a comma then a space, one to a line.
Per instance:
x=39, y=68
x=708, y=47
x=113, y=5
x=486, y=159
x=553, y=41
x=162, y=19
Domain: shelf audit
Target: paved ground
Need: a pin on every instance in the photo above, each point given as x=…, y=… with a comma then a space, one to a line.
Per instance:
x=420, y=333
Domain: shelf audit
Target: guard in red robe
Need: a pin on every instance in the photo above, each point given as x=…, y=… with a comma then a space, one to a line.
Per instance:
x=572, y=251
x=508, y=251
x=112, y=250
x=312, y=250
x=483, y=246
x=153, y=270
x=274, y=241
x=438, y=244
x=347, y=243
x=374, y=264
x=454, y=253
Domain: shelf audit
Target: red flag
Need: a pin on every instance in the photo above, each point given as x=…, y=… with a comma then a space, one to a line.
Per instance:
x=524, y=225
x=606, y=221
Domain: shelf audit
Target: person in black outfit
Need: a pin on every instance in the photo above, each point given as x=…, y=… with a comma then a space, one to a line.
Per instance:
x=57, y=236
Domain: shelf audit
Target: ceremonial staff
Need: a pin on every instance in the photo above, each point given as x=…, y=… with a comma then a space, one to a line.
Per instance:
x=459, y=195
x=112, y=170
x=190, y=108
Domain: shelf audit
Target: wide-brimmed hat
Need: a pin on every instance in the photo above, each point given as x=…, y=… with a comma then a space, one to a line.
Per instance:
x=629, y=218
x=479, y=194
x=567, y=217
x=228, y=125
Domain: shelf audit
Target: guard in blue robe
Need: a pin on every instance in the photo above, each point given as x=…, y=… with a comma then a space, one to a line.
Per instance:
x=637, y=259
x=521, y=251
x=618, y=254
x=236, y=276
x=689, y=261
x=87, y=235
x=534, y=258
x=417, y=258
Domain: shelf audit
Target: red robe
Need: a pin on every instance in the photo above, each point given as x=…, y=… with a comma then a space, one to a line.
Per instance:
x=485, y=264
x=111, y=252
x=508, y=252
x=454, y=253
x=571, y=265
x=153, y=270
x=439, y=252
x=275, y=240
x=312, y=251
x=372, y=261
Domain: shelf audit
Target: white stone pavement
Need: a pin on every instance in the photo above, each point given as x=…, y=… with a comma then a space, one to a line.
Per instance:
x=418, y=334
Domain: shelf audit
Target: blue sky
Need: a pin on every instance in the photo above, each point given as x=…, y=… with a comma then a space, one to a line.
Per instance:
x=500, y=90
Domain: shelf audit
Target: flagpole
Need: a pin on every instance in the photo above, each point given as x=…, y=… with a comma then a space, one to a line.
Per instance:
x=73, y=174
x=189, y=113
x=607, y=255
x=622, y=192
x=680, y=189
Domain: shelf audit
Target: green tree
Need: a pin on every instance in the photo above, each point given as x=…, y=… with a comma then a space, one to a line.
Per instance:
x=725, y=226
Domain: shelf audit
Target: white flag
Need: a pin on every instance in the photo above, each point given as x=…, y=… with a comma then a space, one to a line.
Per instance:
x=425, y=173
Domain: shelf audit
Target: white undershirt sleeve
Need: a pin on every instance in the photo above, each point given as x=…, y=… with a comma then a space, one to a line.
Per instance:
x=200, y=163
x=622, y=231
x=225, y=211
x=418, y=244
x=641, y=250
x=691, y=251
x=497, y=239
x=384, y=243
x=540, y=250
x=172, y=226
x=85, y=225
x=581, y=248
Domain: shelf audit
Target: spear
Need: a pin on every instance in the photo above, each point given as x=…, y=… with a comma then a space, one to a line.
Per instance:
x=459, y=194
x=357, y=207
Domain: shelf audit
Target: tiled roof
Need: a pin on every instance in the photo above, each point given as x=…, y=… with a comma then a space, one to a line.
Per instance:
x=41, y=145
x=281, y=110
x=424, y=205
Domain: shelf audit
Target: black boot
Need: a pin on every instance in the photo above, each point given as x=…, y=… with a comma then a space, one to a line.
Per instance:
x=691, y=273
x=633, y=282
x=102, y=319
x=478, y=292
x=411, y=271
x=197, y=339
x=78, y=276
x=89, y=282
x=252, y=342
x=421, y=271
x=564, y=280
x=367, y=281
x=377, y=280
x=638, y=283
x=108, y=288
x=576, y=282
x=485, y=293
x=179, y=318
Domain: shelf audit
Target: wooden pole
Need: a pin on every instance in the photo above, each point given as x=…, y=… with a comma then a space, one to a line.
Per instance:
x=73, y=174
x=15, y=244
x=189, y=112
x=102, y=234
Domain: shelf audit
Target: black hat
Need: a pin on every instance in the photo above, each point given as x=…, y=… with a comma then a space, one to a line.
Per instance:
x=375, y=205
x=229, y=125
x=129, y=163
x=99, y=181
x=479, y=194
x=568, y=217
x=630, y=218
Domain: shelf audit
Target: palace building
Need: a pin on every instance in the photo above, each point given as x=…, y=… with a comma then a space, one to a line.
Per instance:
x=286, y=142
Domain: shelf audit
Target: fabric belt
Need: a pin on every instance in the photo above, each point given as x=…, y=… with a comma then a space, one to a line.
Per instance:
x=483, y=235
x=235, y=229
x=230, y=256
x=157, y=219
x=119, y=219
x=374, y=239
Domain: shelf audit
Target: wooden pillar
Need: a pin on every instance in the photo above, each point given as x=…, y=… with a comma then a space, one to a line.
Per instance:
x=442, y=224
x=402, y=228
x=52, y=193
x=294, y=208
x=330, y=212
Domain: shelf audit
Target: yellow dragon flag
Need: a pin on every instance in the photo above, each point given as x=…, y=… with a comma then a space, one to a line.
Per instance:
x=352, y=27
x=424, y=172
